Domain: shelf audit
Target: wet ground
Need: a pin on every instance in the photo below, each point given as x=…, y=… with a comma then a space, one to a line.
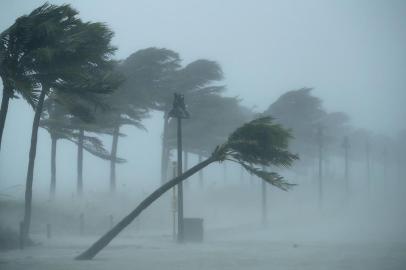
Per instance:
x=222, y=249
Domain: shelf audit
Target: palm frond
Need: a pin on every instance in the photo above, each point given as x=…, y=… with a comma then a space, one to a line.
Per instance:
x=259, y=142
x=272, y=178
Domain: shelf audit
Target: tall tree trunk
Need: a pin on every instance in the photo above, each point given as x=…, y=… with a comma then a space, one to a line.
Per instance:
x=111, y=234
x=347, y=178
x=80, y=163
x=113, y=159
x=263, y=203
x=186, y=160
x=224, y=172
x=200, y=172
x=53, y=167
x=186, y=164
x=320, y=146
x=4, y=109
x=346, y=171
x=384, y=163
x=241, y=174
x=30, y=172
x=368, y=167
x=165, y=150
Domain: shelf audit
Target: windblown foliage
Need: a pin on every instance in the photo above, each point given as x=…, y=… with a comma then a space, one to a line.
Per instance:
x=267, y=139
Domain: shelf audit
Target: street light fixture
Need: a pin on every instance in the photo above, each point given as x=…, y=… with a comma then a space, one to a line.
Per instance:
x=179, y=112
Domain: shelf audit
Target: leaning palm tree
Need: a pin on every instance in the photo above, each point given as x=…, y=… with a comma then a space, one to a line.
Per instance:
x=67, y=48
x=255, y=144
x=15, y=70
x=218, y=116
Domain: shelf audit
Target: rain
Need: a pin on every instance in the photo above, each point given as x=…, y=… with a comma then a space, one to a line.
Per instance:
x=210, y=134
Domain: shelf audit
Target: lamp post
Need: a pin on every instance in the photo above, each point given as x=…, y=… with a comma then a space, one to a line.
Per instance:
x=179, y=112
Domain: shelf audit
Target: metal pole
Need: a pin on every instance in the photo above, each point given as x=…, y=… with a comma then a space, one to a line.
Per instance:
x=180, y=186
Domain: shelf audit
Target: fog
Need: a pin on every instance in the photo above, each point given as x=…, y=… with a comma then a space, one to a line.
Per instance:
x=352, y=53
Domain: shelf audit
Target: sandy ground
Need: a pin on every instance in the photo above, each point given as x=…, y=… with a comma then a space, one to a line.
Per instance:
x=222, y=249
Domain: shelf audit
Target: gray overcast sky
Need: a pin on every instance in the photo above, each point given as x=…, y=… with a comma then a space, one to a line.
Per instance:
x=352, y=52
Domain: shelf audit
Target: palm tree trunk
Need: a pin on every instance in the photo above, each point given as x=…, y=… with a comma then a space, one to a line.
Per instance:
x=320, y=148
x=241, y=174
x=165, y=150
x=111, y=234
x=113, y=159
x=186, y=164
x=30, y=172
x=80, y=163
x=200, y=172
x=224, y=172
x=368, y=167
x=4, y=109
x=53, y=167
x=263, y=203
x=347, y=179
x=185, y=160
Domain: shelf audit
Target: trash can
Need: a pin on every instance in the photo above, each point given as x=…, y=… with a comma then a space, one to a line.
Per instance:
x=192, y=229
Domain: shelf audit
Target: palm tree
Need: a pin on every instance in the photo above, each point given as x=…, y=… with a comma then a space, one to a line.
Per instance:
x=15, y=57
x=68, y=48
x=110, y=123
x=218, y=116
x=54, y=119
x=93, y=111
x=194, y=81
x=150, y=72
x=93, y=145
x=61, y=124
x=302, y=112
x=312, y=127
x=255, y=144
x=128, y=106
x=156, y=74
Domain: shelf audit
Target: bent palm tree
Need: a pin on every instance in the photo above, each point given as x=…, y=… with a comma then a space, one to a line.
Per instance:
x=255, y=144
x=67, y=47
x=15, y=72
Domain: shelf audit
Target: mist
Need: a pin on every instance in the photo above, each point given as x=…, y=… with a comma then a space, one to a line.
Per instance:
x=329, y=74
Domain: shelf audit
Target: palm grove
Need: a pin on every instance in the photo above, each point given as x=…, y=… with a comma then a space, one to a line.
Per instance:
x=64, y=68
